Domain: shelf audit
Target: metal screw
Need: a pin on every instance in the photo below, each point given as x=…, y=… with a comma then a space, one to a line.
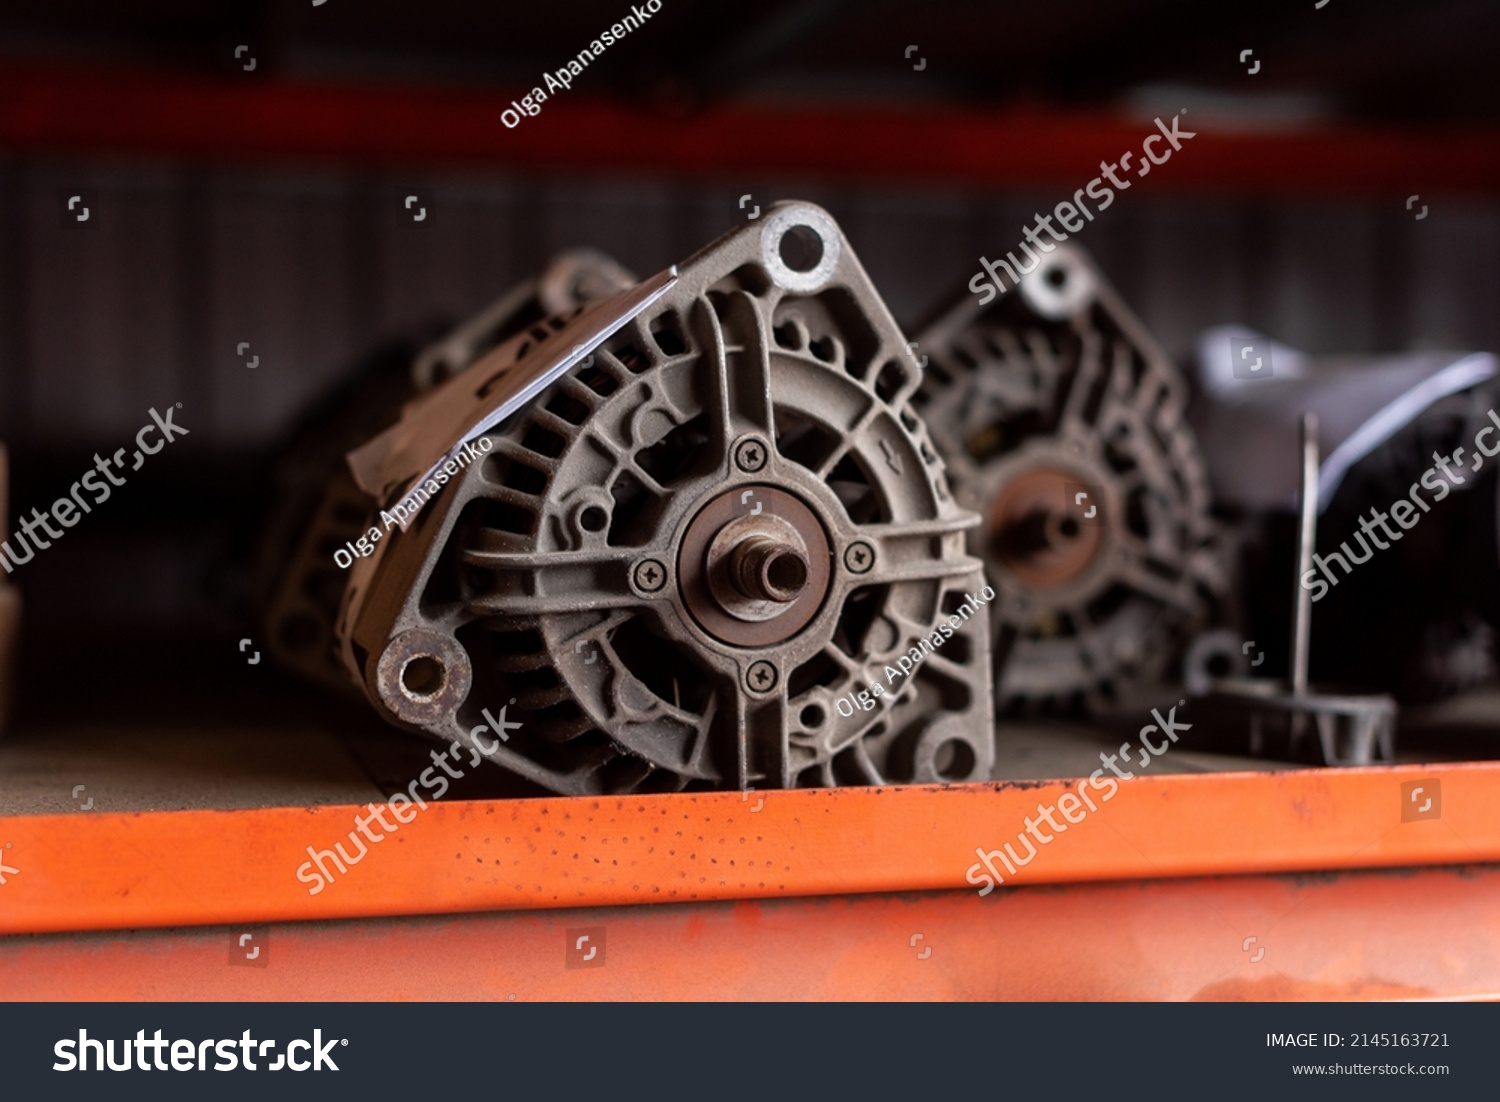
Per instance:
x=761, y=676
x=859, y=556
x=750, y=455
x=650, y=575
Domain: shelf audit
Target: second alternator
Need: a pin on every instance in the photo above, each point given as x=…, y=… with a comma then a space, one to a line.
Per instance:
x=1062, y=424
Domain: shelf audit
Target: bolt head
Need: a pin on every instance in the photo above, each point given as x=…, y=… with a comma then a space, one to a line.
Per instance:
x=859, y=557
x=761, y=676
x=650, y=575
x=750, y=455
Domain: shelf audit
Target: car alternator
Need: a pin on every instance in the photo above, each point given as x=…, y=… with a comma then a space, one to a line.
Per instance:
x=1062, y=423
x=718, y=552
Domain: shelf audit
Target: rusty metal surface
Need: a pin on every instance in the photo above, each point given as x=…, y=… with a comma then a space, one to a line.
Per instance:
x=724, y=542
x=1040, y=540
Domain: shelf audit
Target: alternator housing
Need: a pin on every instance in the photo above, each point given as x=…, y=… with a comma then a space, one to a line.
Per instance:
x=686, y=561
x=1062, y=422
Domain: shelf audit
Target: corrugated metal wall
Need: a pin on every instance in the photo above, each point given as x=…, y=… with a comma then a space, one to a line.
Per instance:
x=147, y=301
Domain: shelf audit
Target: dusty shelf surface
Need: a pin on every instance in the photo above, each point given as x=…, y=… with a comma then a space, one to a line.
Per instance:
x=181, y=727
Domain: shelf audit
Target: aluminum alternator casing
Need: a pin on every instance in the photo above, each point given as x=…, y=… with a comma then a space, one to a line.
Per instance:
x=1062, y=423
x=318, y=506
x=690, y=562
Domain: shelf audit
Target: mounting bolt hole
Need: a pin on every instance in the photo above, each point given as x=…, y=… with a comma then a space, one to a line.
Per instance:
x=423, y=676
x=954, y=760
x=1056, y=277
x=812, y=716
x=593, y=519
x=800, y=248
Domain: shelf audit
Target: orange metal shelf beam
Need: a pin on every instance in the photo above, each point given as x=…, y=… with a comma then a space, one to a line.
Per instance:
x=120, y=871
x=1411, y=934
x=91, y=110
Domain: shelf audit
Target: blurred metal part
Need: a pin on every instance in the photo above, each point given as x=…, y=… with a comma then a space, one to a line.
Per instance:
x=1249, y=425
x=1213, y=655
x=1344, y=729
x=1424, y=613
x=1350, y=729
x=1063, y=424
x=1307, y=542
x=570, y=279
x=10, y=606
x=571, y=575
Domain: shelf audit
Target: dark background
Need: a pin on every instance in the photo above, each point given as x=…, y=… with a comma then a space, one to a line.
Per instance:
x=265, y=206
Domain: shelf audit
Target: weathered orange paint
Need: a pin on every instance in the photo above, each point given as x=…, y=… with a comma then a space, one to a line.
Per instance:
x=1386, y=934
x=129, y=871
